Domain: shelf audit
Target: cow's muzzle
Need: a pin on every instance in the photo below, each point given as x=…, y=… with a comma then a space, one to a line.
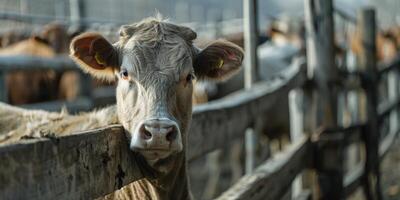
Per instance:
x=157, y=138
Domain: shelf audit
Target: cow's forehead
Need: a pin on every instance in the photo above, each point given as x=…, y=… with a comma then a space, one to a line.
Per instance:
x=167, y=58
x=154, y=45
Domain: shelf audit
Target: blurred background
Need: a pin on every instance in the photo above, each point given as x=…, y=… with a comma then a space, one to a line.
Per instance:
x=20, y=14
x=32, y=29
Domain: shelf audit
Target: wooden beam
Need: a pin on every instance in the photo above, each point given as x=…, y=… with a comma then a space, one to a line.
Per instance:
x=296, y=115
x=353, y=180
x=60, y=63
x=304, y=195
x=250, y=29
x=393, y=95
x=386, y=143
x=322, y=69
x=367, y=27
x=388, y=107
x=320, y=54
x=76, y=8
x=349, y=16
x=275, y=174
x=83, y=166
x=78, y=105
x=3, y=88
x=223, y=120
x=43, y=19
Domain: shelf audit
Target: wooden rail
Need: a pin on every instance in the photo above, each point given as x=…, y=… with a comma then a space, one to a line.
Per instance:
x=12, y=63
x=78, y=105
x=275, y=174
x=83, y=164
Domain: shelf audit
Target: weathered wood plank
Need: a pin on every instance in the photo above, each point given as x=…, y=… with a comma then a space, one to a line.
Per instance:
x=281, y=169
x=387, y=107
x=345, y=14
x=367, y=27
x=387, y=142
x=42, y=19
x=10, y=63
x=220, y=121
x=320, y=55
x=81, y=166
x=304, y=195
x=3, y=88
x=296, y=114
x=250, y=29
x=353, y=179
x=322, y=69
x=80, y=104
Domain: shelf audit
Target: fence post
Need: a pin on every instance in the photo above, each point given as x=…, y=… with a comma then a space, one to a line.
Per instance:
x=296, y=114
x=3, y=87
x=393, y=95
x=250, y=70
x=367, y=58
x=85, y=85
x=320, y=55
x=324, y=73
x=76, y=13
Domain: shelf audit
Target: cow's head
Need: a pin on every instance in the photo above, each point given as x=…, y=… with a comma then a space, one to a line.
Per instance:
x=155, y=63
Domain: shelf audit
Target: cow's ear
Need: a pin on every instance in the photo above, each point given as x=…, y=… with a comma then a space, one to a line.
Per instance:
x=95, y=55
x=218, y=61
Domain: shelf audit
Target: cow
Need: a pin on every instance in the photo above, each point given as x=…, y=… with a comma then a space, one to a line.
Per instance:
x=11, y=37
x=34, y=86
x=154, y=63
x=45, y=85
x=387, y=45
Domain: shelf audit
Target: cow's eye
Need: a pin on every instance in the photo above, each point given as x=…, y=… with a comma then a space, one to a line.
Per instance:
x=190, y=77
x=124, y=74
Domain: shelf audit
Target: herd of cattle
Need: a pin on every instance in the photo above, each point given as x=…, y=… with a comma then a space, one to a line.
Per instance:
x=150, y=64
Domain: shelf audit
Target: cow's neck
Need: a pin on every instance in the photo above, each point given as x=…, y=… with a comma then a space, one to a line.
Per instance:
x=173, y=185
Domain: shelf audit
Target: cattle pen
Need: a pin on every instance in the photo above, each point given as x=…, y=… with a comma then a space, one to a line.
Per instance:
x=94, y=163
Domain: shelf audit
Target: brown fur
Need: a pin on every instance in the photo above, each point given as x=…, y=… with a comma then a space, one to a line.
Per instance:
x=12, y=37
x=44, y=85
x=17, y=123
x=33, y=86
x=386, y=45
x=57, y=36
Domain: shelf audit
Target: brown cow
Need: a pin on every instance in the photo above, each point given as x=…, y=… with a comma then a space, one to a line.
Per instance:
x=37, y=86
x=57, y=36
x=386, y=45
x=11, y=37
x=33, y=86
x=154, y=63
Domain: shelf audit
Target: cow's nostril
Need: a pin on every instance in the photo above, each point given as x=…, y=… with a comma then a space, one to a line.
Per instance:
x=171, y=135
x=145, y=133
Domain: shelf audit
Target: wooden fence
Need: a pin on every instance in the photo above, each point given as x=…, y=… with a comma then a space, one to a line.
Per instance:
x=94, y=163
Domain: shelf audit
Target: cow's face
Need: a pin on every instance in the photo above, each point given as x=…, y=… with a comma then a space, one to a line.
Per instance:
x=155, y=64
